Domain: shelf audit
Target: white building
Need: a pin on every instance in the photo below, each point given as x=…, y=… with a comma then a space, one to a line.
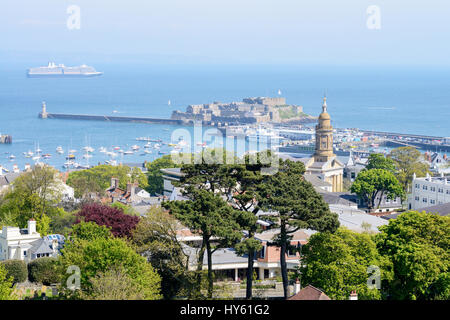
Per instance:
x=429, y=191
x=27, y=244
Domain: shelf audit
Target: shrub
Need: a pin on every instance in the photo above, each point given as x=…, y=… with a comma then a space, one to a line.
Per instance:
x=44, y=270
x=17, y=269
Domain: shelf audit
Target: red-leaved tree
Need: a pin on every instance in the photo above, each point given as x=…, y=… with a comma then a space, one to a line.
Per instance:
x=121, y=224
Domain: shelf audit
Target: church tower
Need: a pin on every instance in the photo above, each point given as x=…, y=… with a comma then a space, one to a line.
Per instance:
x=324, y=163
x=324, y=136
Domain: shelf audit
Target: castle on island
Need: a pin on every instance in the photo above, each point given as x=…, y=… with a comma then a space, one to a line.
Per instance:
x=248, y=111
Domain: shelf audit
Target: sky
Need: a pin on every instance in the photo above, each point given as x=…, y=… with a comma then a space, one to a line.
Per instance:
x=297, y=32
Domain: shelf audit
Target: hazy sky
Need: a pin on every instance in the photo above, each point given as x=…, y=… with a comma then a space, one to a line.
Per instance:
x=230, y=31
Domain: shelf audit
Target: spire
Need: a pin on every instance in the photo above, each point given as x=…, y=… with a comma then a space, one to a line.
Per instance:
x=324, y=105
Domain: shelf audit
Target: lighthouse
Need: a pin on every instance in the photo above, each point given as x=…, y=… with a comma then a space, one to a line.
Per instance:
x=44, y=113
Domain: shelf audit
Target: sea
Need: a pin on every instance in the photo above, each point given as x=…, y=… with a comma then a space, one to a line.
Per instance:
x=394, y=99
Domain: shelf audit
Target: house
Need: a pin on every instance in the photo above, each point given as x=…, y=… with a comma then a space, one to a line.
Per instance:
x=27, y=244
x=309, y=293
x=132, y=195
x=229, y=265
x=429, y=191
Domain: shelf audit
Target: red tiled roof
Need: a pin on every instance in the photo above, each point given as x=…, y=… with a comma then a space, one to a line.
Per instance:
x=309, y=293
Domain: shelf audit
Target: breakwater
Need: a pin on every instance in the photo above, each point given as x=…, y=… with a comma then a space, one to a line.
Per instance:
x=111, y=118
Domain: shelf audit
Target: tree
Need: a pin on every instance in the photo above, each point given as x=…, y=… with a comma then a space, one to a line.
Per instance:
x=373, y=183
x=44, y=270
x=294, y=205
x=120, y=223
x=210, y=216
x=17, y=269
x=379, y=161
x=407, y=162
x=90, y=231
x=97, y=179
x=113, y=284
x=6, y=285
x=34, y=195
x=154, y=174
x=338, y=264
x=62, y=222
x=155, y=237
x=98, y=256
x=418, y=245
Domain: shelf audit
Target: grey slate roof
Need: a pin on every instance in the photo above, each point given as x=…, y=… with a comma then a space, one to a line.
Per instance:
x=41, y=246
x=441, y=209
x=8, y=178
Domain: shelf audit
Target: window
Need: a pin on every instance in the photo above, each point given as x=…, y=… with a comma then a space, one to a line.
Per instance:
x=440, y=190
x=425, y=200
x=24, y=253
x=448, y=191
x=417, y=186
x=262, y=252
x=417, y=198
x=432, y=201
x=425, y=187
x=433, y=189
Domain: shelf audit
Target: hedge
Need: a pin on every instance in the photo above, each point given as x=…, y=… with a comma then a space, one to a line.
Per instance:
x=44, y=270
x=16, y=269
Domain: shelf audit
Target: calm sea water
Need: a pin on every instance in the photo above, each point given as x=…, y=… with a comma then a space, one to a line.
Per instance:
x=406, y=100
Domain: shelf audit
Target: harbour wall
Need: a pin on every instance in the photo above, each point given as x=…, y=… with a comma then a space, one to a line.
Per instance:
x=111, y=118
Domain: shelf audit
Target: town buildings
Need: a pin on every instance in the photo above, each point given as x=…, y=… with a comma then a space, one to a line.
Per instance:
x=429, y=191
x=27, y=244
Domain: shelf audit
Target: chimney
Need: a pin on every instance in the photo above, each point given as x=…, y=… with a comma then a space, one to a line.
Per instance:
x=16, y=169
x=27, y=167
x=353, y=296
x=31, y=226
x=297, y=286
x=1, y=170
x=131, y=187
x=114, y=183
x=55, y=246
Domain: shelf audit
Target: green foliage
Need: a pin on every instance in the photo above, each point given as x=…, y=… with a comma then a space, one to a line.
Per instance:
x=337, y=263
x=44, y=270
x=100, y=255
x=418, y=246
x=408, y=161
x=90, y=231
x=62, y=222
x=6, y=285
x=379, y=161
x=43, y=225
x=289, y=112
x=210, y=216
x=97, y=179
x=155, y=237
x=17, y=269
x=113, y=284
x=126, y=209
x=155, y=179
x=294, y=205
x=376, y=182
x=34, y=194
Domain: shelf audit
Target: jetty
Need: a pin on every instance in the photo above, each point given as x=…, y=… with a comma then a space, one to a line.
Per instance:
x=46, y=115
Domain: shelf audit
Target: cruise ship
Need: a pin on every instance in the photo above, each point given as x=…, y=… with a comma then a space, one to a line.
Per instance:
x=60, y=70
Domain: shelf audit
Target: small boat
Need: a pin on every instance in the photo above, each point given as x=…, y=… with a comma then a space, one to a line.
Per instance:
x=148, y=145
x=162, y=152
x=135, y=147
x=116, y=148
x=46, y=156
x=72, y=151
x=87, y=156
x=70, y=157
x=36, y=158
x=88, y=149
x=59, y=148
x=147, y=151
x=128, y=152
x=12, y=156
